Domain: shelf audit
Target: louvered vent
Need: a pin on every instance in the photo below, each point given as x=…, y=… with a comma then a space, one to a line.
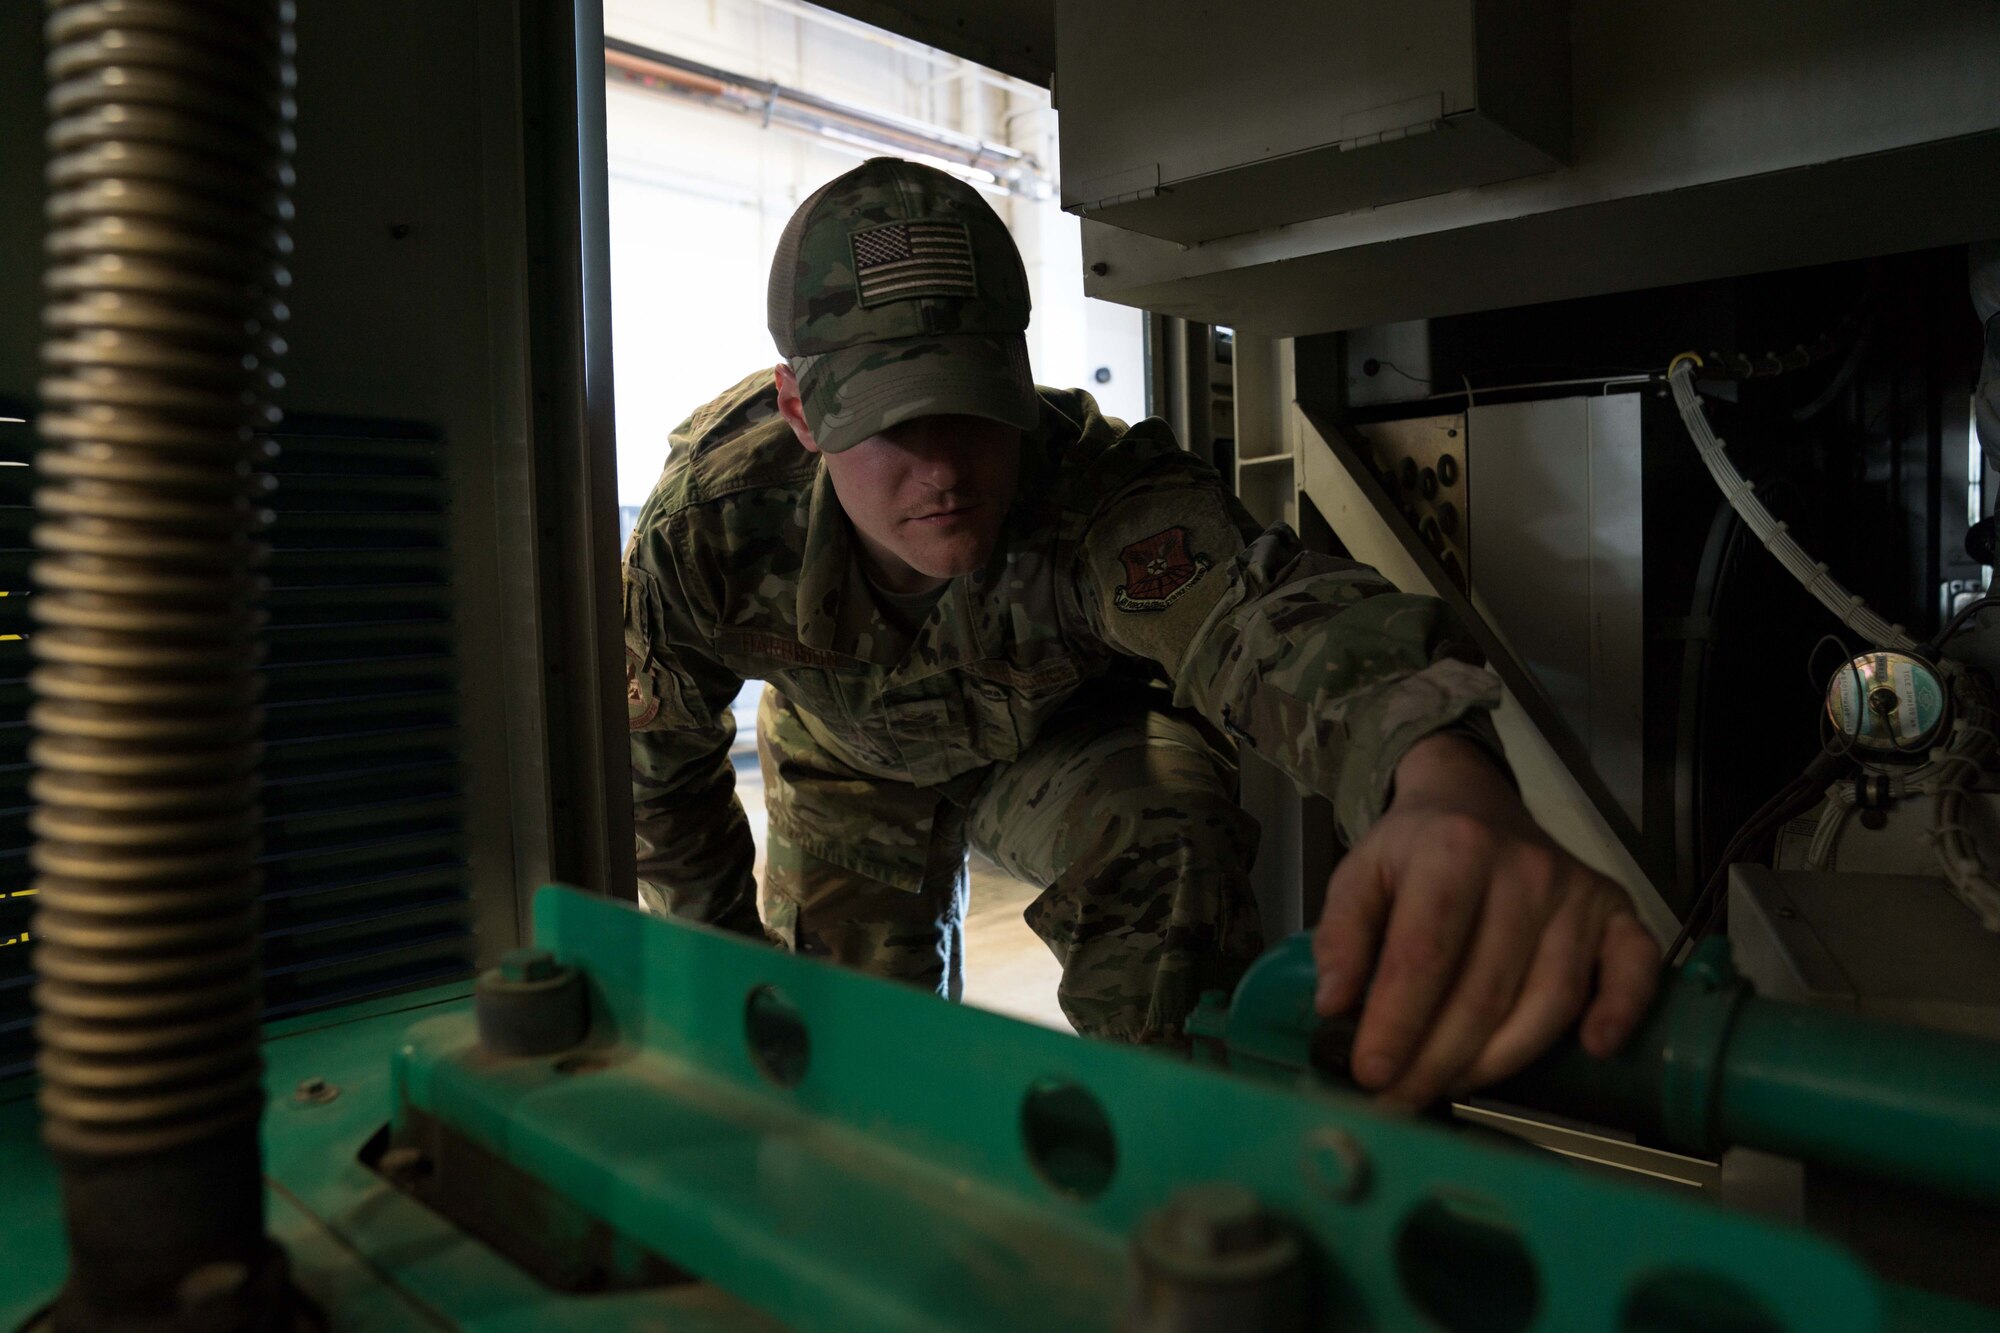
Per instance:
x=365, y=887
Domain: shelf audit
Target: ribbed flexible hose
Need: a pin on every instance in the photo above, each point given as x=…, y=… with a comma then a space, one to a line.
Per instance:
x=169, y=197
x=1812, y=575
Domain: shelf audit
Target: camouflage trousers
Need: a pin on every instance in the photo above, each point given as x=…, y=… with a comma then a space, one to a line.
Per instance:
x=1122, y=811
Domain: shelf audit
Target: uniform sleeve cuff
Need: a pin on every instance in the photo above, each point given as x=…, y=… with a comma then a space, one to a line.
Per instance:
x=1447, y=698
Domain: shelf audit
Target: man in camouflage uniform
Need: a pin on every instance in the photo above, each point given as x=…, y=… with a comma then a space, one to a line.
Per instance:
x=988, y=615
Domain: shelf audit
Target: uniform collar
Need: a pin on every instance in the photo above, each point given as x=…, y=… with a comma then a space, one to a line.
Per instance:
x=823, y=565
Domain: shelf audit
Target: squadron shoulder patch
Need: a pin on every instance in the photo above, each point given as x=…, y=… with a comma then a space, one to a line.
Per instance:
x=1158, y=570
x=642, y=697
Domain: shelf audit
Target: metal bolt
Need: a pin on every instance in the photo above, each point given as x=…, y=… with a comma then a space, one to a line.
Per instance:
x=1219, y=1220
x=1100, y=268
x=1336, y=1165
x=314, y=1092
x=522, y=965
x=1213, y=1257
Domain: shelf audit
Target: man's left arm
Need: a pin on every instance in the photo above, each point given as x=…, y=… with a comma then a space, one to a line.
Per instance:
x=1473, y=938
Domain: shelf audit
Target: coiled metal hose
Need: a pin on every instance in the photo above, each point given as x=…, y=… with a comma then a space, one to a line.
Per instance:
x=169, y=183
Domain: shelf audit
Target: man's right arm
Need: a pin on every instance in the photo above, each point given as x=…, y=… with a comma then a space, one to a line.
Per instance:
x=695, y=855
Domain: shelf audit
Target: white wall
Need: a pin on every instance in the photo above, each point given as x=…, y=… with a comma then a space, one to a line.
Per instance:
x=698, y=198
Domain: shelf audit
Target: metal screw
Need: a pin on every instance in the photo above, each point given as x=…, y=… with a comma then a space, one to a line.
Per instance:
x=1336, y=1165
x=314, y=1092
x=521, y=965
x=1100, y=268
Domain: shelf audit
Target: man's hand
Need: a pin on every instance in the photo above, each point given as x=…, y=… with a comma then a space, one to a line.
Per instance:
x=1474, y=937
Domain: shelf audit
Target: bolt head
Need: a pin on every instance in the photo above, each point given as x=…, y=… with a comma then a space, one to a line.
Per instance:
x=1336, y=1165
x=314, y=1091
x=522, y=965
x=1212, y=1235
x=1219, y=1220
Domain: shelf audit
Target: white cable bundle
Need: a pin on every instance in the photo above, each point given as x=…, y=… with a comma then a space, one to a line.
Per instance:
x=1846, y=606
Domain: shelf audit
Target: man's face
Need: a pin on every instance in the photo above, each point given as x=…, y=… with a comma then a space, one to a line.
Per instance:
x=927, y=497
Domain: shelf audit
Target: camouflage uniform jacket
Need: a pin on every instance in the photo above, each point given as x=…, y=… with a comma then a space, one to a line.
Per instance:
x=1121, y=552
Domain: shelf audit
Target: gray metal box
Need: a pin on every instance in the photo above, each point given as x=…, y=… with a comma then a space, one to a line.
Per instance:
x=1896, y=946
x=1195, y=122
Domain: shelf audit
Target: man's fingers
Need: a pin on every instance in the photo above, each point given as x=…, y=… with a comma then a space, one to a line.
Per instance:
x=1350, y=926
x=1483, y=998
x=1436, y=904
x=1557, y=985
x=1628, y=973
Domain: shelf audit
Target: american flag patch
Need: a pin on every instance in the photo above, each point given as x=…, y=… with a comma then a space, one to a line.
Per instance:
x=906, y=259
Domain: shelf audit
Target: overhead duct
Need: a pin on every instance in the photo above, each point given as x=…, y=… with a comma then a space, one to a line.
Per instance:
x=873, y=132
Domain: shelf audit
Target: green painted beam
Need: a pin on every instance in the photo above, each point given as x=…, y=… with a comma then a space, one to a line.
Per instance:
x=904, y=1181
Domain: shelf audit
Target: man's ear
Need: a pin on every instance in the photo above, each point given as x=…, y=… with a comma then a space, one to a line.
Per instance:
x=792, y=409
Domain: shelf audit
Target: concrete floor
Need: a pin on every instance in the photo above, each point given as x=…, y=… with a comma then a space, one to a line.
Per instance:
x=1007, y=967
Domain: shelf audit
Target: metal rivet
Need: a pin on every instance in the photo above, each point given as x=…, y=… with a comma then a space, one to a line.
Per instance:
x=1337, y=1166
x=314, y=1092
x=1100, y=268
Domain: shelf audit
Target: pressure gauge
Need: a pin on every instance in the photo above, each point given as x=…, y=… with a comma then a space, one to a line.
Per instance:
x=1887, y=703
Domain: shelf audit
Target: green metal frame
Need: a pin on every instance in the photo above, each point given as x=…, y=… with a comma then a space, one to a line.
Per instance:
x=892, y=1186
x=896, y=1184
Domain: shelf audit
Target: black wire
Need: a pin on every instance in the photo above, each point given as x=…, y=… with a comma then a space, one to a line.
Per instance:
x=1790, y=801
x=1953, y=625
x=1838, y=382
x=1391, y=365
x=1752, y=835
x=1850, y=739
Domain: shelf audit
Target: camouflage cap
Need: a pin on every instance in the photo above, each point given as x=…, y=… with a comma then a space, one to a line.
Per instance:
x=897, y=293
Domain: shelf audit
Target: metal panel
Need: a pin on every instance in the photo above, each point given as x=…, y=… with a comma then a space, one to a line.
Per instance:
x=1556, y=564
x=1561, y=790
x=1898, y=946
x=1769, y=143
x=1424, y=464
x=366, y=887
x=1016, y=37
x=1284, y=112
